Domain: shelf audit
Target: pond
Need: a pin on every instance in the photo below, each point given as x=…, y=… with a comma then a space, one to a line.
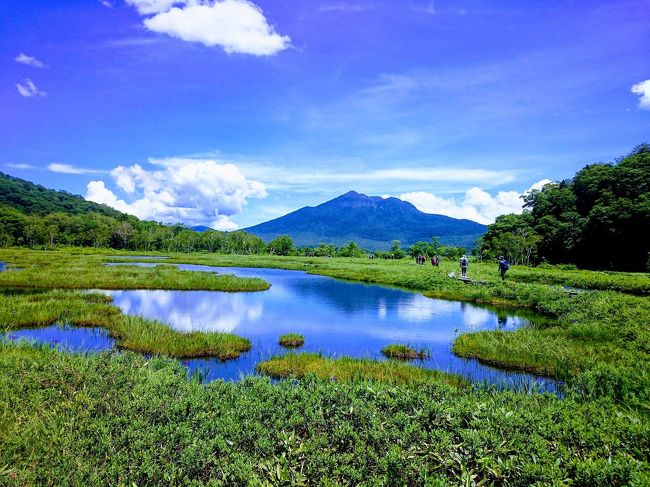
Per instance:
x=336, y=318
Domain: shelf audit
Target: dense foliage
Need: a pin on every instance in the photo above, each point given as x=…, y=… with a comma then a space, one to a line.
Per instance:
x=600, y=219
x=34, y=199
x=129, y=420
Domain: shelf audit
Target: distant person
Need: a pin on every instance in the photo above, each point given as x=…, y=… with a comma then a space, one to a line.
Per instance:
x=463, y=266
x=504, y=265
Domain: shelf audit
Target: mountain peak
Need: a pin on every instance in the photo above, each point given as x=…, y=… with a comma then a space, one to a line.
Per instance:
x=371, y=221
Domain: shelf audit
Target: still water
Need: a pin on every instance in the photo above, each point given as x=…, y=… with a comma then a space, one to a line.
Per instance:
x=336, y=317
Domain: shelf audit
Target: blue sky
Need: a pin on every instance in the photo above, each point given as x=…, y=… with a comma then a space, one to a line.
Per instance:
x=231, y=112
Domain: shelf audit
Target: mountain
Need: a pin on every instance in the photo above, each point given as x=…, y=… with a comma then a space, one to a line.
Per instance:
x=34, y=199
x=201, y=228
x=371, y=221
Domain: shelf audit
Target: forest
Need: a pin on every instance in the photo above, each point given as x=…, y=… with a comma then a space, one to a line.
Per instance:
x=599, y=219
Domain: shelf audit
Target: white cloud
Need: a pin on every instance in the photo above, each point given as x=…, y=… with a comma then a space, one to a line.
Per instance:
x=29, y=61
x=194, y=192
x=147, y=7
x=643, y=90
x=477, y=205
x=106, y=3
x=69, y=169
x=238, y=26
x=28, y=89
x=20, y=166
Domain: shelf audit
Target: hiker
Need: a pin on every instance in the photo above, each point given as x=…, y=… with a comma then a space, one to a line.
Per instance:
x=463, y=266
x=504, y=265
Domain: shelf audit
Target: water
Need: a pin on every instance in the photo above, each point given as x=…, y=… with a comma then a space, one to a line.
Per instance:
x=336, y=317
x=66, y=337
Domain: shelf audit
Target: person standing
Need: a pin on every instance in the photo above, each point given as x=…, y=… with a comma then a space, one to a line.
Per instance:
x=504, y=265
x=463, y=266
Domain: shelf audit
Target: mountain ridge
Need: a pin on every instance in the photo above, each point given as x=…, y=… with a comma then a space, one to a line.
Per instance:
x=371, y=221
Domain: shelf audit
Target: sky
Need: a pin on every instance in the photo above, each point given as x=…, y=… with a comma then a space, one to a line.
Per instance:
x=228, y=113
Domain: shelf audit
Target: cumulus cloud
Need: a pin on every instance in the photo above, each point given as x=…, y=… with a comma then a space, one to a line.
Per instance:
x=238, y=26
x=69, y=169
x=28, y=89
x=29, y=61
x=643, y=90
x=476, y=204
x=196, y=192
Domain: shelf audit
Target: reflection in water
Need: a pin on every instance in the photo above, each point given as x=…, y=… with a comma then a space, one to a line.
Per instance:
x=336, y=317
x=189, y=311
x=65, y=337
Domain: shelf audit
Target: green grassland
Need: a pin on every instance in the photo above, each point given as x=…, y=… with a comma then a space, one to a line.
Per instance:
x=76, y=270
x=124, y=418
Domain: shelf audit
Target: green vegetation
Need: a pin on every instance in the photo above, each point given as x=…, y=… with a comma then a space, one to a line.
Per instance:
x=118, y=419
x=47, y=269
x=126, y=419
x=400, y=351
x=596, y=341
x=600, y=219
x=34, y=309
x=351, y=369
x=292, y=340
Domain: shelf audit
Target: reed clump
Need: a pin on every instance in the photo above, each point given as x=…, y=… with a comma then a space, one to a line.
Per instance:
x=352, y=369
x=292, y=340
x=399, y=351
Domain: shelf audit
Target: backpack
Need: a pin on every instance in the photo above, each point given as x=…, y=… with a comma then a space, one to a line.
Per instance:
x=505, y=265
x=463, y=262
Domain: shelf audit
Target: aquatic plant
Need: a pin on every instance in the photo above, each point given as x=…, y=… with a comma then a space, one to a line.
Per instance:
x=400, y=351
x=292, y=340
x=352, y=369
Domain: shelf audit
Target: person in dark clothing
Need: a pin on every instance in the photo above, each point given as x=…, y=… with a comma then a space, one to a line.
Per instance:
x=504, y=265
x=463, y=266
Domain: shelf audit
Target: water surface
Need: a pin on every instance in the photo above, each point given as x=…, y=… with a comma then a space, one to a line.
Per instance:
x=336, y=317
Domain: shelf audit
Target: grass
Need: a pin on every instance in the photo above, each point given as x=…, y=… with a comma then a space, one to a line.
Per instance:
x=578, y=339
x=69, y=270
x=292, y=340
x=35, y=309
x=124, y=419
x=400, y=351
x=351, y=369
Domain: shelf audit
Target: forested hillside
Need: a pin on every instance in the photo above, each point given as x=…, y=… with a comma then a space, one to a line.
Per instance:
x=600, y=219
x=35, y=216
x=34, y=199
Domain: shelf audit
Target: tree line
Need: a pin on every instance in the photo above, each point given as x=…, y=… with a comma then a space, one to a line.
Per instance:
x=599, y=219
x=129, y=233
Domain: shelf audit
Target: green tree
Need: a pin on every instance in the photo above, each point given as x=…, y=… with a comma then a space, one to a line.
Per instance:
x=282, y=245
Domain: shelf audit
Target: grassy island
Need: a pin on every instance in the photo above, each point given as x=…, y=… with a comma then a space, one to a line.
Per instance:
x=20, y=309
x=400, y=351
x=292, y=340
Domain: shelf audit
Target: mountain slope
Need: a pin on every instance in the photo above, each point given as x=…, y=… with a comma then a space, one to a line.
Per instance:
x=371, y=221
x=34, y=199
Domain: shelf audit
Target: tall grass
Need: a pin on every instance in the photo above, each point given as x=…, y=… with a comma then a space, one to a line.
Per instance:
x=351, y=369
x=21, y=310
